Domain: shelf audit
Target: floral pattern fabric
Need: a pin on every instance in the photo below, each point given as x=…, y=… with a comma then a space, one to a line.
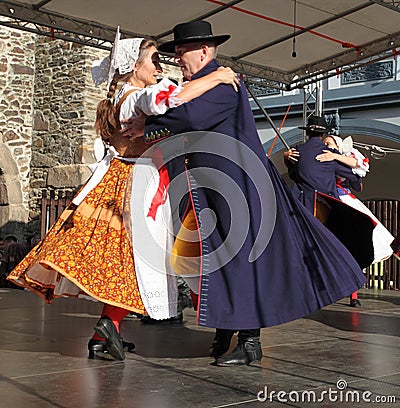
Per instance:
x=87, y=251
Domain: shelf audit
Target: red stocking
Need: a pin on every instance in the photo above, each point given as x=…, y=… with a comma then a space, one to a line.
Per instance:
x=354, y=295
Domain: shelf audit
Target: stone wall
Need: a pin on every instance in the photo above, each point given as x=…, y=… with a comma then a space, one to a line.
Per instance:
x=64, y=111
x=17, y=58
x=48, y=105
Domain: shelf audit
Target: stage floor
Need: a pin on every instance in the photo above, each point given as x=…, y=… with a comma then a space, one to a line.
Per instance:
x=339, y=352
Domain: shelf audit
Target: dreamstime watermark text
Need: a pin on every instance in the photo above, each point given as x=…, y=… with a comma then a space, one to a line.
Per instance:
x=339, y=394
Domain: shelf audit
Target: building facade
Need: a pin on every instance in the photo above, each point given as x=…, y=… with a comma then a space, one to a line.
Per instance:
x=364, y=104
x=48, y=102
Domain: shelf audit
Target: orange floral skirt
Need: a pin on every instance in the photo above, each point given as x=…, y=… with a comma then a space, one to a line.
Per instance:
x=87, y=251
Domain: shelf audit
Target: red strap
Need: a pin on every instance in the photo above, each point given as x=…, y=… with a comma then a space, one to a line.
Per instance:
x=161, y=194
x=195, y=299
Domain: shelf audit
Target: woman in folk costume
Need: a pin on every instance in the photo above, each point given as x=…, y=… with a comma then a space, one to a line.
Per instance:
x=95, y=248
x=382, y=238
x=346, y=153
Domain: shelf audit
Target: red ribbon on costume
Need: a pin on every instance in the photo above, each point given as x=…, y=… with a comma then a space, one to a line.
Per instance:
x=164, y=95
x=161, y=194
x=162, y=190
x=195, y=299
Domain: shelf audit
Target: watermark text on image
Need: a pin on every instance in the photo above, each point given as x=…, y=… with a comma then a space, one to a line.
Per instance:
x=338, y=394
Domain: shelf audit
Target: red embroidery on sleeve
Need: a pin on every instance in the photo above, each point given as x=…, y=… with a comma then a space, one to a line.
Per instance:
x=164, y=95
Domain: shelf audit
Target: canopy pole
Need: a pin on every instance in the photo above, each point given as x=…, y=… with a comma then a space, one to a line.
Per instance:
x=264, y=112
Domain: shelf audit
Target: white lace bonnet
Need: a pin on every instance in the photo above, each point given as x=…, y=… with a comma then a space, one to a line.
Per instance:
x=345, y=146
x=124, y=55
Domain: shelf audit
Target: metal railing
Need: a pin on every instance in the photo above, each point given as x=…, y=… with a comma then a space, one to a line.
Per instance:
x=385, y=274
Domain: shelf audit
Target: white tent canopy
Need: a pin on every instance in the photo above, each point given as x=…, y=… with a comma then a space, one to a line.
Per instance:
x=330, y=35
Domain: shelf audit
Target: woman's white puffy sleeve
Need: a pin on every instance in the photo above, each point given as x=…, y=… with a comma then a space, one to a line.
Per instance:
x=362, y=163
x=157, y=99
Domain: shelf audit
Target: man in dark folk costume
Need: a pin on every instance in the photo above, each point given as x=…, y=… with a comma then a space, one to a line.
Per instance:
x=315, y=186
x=310, y=175
x=263, y=259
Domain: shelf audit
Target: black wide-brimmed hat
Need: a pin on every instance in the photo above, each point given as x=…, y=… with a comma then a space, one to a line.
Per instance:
x=316, y=124
x=194, y=31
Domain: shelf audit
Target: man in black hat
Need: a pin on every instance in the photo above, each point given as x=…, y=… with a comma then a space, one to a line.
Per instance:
x=310, y=175
x=194, y=46
x=243, y=212
x=190, y=37
x=313, y=177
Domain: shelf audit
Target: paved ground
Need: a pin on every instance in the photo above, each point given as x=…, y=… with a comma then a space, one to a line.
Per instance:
x=338, y=355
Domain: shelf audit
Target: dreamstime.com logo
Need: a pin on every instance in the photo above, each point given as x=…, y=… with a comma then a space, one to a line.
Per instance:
x=340, y=394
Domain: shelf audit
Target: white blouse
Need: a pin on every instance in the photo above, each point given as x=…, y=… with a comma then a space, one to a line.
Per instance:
x=153, y=100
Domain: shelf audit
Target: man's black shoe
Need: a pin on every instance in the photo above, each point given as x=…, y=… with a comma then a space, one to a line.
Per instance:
x=245, y=353
x=105, y=328
x=221, y=343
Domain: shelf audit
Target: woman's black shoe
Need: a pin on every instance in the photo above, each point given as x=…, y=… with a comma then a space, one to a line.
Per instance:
x=355, y=303
x=95, y=347
x=99, y=347
x=106, y=328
